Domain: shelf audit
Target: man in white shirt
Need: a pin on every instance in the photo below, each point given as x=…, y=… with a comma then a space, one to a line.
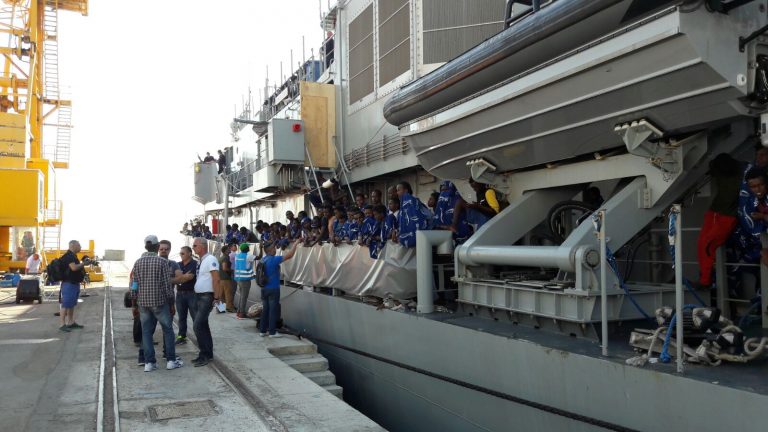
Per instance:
x=207, y=291
x=33, y=264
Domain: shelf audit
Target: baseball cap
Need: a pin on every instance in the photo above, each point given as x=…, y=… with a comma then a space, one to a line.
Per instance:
x=244, y=247
x=151, y=239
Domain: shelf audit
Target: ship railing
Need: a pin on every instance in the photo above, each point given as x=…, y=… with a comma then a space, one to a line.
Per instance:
x=242, y=179
x=276, y=101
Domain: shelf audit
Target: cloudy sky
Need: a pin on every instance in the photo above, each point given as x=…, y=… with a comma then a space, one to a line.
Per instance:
x=154, y=83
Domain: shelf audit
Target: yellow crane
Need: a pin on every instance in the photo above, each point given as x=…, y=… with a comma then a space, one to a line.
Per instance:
x=30, y=98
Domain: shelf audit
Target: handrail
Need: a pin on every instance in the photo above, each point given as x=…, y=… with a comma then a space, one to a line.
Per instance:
x=509, y=19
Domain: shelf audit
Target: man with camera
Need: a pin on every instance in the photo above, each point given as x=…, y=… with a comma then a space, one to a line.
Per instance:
x=73, y=275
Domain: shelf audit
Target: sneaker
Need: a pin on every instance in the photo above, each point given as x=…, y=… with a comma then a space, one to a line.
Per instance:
x=141, y=362
x=57, y=314
x=240, y=316
x=262, y=334
x=149, y=367
x=64, y=329
x=174, y=364
x=276, y=335
x=75, y=326
x=201, y=362
x=181, y=340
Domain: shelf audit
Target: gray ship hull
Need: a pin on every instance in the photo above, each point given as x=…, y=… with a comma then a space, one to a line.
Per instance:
x=393, y=366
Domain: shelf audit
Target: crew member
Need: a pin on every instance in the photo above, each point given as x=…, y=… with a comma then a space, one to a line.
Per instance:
x=207, y=290
x=243, y=277
x=185, y=293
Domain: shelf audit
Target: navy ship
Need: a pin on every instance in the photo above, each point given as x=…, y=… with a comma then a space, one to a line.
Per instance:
x=532, y=323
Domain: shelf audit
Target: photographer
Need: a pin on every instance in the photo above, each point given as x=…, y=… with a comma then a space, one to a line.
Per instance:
x=74, y=274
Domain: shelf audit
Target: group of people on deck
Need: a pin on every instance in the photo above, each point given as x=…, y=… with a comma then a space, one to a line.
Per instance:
x=736, y=218
x=370, y=223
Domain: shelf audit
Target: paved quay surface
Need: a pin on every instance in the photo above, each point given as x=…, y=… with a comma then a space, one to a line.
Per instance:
x=54, y=380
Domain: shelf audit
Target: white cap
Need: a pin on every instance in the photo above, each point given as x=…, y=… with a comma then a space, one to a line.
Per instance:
x=151, y=239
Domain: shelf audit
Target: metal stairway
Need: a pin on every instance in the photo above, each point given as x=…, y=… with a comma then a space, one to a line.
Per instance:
x=58, y=152
x=51, y=236
x=305, y=359
x=51, y=53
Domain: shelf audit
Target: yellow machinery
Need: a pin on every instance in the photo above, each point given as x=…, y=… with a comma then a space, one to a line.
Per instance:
x=30, y=215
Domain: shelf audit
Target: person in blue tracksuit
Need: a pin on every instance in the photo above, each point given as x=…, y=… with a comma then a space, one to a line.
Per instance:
x=446, y=204
x=411, y=218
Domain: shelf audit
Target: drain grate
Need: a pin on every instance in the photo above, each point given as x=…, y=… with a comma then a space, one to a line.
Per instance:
x=179, y=410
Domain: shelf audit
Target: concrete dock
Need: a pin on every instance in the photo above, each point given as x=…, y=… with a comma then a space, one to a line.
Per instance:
x=89, y=379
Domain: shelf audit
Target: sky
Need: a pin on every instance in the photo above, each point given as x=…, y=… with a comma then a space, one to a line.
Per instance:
x=154, y=83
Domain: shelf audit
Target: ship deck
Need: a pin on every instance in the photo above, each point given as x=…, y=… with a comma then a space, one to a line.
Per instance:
x=747, y=377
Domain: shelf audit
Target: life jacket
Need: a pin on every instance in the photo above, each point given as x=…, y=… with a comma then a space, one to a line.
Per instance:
x=243, y=271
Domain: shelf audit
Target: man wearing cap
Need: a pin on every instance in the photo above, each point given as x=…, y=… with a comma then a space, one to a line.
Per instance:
x=152, y=274
x=243, y=277
x=270, y=293
x=207, y=290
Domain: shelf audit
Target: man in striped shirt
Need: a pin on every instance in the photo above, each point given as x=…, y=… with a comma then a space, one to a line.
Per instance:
x=155, y=300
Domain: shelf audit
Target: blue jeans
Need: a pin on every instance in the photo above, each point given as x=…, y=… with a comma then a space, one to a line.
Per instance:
x=270, y=300
x=150, y=316
x=185, y=303
x=204, y=303
x=476, y=217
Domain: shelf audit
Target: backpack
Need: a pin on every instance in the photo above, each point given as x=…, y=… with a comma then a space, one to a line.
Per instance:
x=54, y=271
x=502, y=200
x=261, y=274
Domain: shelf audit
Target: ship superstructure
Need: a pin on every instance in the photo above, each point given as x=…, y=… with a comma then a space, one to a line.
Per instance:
x=542, y=101
x=31, y=102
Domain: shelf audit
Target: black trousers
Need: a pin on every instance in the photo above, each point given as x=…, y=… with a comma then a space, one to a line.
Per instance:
x=137, y=330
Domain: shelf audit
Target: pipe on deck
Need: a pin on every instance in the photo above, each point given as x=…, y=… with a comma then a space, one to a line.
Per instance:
x=530, y=256
x=425, y=240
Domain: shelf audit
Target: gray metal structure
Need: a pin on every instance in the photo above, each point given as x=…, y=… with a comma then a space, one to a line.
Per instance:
x=635, y=97
x=680, y=69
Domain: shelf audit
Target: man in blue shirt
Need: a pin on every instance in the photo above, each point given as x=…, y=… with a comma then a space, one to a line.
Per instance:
x=185, y=293
x=270, y=293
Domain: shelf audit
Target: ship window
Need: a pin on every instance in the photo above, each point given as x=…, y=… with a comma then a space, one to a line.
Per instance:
x=361, y=55
x=394, y=39
x=451, y=27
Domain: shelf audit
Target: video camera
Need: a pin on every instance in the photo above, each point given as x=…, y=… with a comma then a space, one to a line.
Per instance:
x=89, y=261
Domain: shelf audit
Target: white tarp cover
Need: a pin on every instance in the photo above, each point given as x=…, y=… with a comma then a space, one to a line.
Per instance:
x=351, y=269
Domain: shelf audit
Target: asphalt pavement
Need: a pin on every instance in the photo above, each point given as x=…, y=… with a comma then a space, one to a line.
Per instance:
x=89, y=379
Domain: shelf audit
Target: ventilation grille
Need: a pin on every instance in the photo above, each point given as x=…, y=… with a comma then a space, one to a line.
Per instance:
x=361, y=55
x=451, y=27
x=378, y=150
x=394, y=39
